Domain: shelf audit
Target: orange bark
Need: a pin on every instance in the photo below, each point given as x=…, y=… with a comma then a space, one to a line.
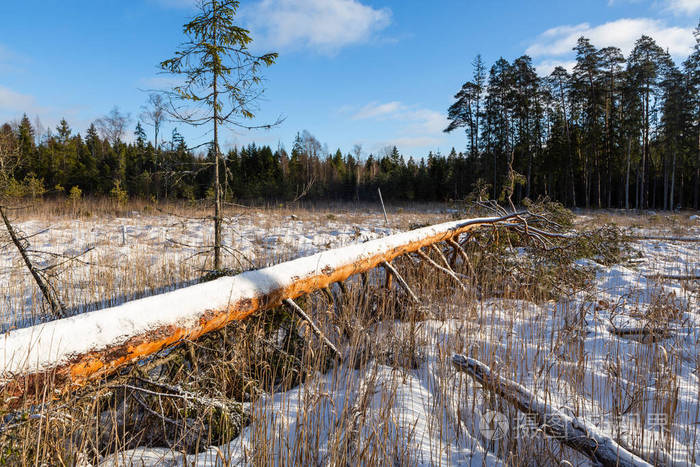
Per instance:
x=89, y=366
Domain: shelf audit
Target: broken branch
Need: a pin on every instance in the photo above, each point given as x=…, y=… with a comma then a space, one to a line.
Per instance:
x=57, y=307
x=297, y=309
x=392, y=270
x=569, y=430
x=450, y=273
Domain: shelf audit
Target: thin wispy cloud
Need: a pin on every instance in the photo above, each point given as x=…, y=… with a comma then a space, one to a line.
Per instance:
x=324, y=26
x=177, y=4
x=411, y=142
x=12, y=62
x=617, y=2
x=426, y=120
x=12, y=102
x=374, y=110
x=161, y=82
x=416, y=119
x=676, y=7
x=417, y=127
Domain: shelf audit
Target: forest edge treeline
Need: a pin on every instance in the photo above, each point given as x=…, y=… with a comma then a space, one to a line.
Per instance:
x=615, y=132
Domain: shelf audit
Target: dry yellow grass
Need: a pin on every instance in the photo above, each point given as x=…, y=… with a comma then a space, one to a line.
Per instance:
x=395, y=399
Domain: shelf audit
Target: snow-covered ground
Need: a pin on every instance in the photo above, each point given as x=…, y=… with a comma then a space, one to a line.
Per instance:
x=143, y=254
x=643, y=391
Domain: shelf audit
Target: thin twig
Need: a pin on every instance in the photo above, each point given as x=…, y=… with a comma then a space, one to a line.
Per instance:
x=388, y=266
x=297, y=309
x=57, y=307
x=449, y=272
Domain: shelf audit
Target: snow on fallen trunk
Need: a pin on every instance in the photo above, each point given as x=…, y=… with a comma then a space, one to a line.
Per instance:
x=72, y=350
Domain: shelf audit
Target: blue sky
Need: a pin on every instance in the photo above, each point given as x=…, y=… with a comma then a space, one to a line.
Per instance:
x=369, y=72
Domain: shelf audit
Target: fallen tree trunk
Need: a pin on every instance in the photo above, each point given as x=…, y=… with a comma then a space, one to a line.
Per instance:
x=641, y=330
x=571, y=431
x=71, y=351
x=644, y=334
x=668, y=239
x=675, y=277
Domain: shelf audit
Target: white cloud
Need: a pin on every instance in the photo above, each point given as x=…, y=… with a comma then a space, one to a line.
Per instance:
x=622, y=33
x=325, y=26
x=426, y=120
x=557, y=41
x=411, y=142
x=683, y=7
x=546, y=67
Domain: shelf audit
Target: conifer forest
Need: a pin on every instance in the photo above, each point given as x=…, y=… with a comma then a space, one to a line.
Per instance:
x=616, y=131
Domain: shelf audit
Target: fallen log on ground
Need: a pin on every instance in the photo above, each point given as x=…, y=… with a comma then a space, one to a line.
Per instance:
x=652, y=331
x=74, y=350
x=570, y=431
x=667, y=239
x=675, y=277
